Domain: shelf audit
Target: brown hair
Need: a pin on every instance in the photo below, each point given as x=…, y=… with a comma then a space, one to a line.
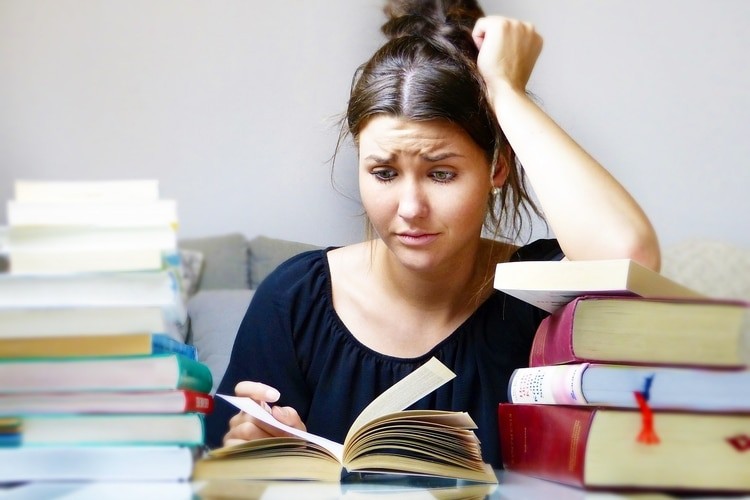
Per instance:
x=427, y=70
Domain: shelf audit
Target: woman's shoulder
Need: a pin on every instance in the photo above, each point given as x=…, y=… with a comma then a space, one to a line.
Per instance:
x=542, y=249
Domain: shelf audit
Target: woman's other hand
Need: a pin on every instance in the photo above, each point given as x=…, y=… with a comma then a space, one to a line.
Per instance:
x=243, y=427
x=508, y=50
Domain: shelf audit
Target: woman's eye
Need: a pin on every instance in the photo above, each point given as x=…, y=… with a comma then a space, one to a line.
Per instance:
x=384, y=175
x=443, y=176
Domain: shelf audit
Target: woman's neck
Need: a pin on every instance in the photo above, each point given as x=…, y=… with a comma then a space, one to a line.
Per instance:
x=451, y=287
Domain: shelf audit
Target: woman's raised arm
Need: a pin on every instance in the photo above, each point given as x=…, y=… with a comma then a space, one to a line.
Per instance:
x=589, y=211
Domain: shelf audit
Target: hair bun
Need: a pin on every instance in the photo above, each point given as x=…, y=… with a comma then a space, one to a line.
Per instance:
x=433, y=8
x=450, y=20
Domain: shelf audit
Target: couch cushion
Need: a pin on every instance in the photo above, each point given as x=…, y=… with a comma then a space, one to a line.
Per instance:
x=224, y=260
x=215, y=317
x=265, y=254
x=715, y=268
x=191, y=266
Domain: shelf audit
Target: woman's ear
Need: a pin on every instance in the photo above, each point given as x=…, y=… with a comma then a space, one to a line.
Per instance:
x=500, y=172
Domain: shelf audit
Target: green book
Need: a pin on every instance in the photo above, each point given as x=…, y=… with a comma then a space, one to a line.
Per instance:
x=124, y=373
x=185, y=429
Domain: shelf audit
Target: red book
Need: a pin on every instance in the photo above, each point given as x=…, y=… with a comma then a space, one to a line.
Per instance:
x=636, y=330
x=598, y=448
x=170, y=401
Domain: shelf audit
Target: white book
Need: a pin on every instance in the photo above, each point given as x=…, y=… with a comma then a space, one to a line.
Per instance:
x=75, y=238
x=23, y=322
x=111, y=289
x=549, y=285
x=670, y=388
x=98, y=213
x=101, y=463
x=103, y=429
x=90, y=191
x=85, y=261
x=67, y=249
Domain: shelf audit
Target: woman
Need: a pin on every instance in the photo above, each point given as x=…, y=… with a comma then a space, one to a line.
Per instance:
x=441, y=120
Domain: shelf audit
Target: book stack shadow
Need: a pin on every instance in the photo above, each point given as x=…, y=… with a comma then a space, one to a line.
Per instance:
x=96, y=382
x=634, y=383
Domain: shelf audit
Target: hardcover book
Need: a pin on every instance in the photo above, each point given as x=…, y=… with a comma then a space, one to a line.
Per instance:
x=383, y=439
x=671, y=388
x=94, y=213
x=597, y=448
x=96, y=463
x=70, y=249
x=128, y=344
x=131, y=373
x=637, y=330
x=184, y=429
x=105, y=289
x=167, y=401
x=51, y=321
x=28, y=190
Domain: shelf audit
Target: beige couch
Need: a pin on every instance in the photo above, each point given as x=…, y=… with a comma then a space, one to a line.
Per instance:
x=226, y=270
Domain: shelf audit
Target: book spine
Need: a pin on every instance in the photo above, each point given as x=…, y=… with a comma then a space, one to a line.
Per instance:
x=164, y=344
x=193, y=375
x=552, y=384
x=198, y=402
x=548, y=442
x=553, y=341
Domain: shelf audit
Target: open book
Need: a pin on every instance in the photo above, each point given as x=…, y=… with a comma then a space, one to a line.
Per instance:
x=384, y=438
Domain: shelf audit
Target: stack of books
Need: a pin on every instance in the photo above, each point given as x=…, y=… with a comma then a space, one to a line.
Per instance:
x=634, y=383
x=95, y=380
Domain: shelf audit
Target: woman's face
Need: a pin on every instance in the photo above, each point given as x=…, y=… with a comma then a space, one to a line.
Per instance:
x=424, y=186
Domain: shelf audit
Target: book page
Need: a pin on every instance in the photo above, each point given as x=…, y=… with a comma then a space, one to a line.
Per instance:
x=255, y=410
x=548, y=300
x=405, y=392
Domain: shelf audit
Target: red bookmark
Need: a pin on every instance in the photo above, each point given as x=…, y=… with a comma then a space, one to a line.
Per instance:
x=648, y=433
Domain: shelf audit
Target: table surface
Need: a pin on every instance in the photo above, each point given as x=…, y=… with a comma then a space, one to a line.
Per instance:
x=511, y=486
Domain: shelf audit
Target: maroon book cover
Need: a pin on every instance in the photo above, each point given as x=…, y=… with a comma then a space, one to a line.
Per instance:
x=553, y=340
x=548, y=442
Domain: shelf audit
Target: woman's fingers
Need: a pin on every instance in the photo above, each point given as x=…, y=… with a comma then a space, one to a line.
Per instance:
x=257, y=391
x=289, y=416
x=243, y=427
x=508, y=50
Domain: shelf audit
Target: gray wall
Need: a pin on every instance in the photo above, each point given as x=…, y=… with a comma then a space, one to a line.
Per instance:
x=233, y=104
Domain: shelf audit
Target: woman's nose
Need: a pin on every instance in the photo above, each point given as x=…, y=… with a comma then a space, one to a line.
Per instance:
x=413, y=202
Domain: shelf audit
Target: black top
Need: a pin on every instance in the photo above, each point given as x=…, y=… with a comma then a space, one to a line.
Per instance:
x=292, y=339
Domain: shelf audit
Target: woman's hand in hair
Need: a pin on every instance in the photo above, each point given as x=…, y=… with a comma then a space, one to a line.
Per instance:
x=243, y=427
x=508, y=50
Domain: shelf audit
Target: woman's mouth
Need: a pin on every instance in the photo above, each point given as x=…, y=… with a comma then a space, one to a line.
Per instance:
x=416, y=239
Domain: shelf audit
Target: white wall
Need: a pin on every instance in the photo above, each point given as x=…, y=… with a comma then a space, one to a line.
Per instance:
x=232, y=104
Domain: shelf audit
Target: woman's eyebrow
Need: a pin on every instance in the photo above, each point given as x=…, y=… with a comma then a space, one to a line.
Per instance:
x=379, y=159
x=427, y=157
x=441, y=156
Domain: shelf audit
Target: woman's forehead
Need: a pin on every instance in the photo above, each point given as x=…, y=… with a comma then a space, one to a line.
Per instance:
x=389, y=132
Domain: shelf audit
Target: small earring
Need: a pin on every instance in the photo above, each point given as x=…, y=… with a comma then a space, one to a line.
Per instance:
x=495, y=191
